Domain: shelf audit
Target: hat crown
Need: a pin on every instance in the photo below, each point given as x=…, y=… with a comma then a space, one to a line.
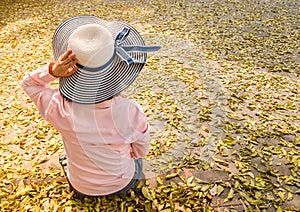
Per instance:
x=93, y=45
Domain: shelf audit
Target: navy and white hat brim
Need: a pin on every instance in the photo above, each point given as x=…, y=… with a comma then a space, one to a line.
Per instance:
x=91, y=86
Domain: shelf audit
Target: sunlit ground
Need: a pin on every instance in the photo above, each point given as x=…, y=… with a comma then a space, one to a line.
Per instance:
x=222, y=97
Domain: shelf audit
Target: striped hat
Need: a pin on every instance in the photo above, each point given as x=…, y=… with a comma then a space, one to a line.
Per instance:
x=110, y=57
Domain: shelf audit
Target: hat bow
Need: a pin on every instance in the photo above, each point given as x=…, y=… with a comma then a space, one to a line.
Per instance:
x=122, y=50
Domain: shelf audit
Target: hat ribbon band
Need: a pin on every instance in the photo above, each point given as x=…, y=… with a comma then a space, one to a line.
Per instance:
x=104, y=66
x=123, y=50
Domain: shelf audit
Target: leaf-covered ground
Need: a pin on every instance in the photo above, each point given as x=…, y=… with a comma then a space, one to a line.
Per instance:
x=222, y=96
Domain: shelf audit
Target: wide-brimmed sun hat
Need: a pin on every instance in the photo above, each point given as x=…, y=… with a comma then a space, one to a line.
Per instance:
x=110, y=57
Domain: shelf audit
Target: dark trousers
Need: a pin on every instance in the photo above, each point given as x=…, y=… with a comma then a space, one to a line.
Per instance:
x=138, y=175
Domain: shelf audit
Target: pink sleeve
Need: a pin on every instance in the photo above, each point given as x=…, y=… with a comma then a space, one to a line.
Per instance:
x=36, y=87
x=140, y=146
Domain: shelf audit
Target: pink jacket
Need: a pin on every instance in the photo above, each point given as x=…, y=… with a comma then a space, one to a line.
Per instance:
x=100, y=140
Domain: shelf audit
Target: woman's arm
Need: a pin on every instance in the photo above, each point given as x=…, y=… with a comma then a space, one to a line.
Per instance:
x=36, y=83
